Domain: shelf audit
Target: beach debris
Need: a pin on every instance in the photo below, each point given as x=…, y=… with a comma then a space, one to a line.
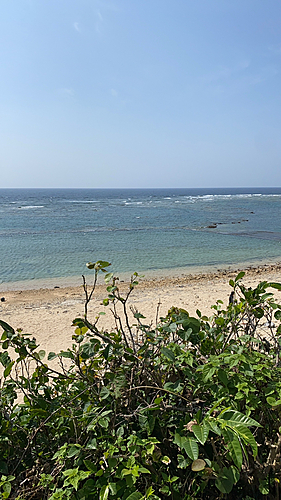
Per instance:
x=269, y=324
x=3, y=299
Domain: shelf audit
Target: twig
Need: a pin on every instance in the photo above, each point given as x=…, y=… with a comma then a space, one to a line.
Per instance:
x=88, y=295
x=157, y=312
x=94, y=330
x=158, y=389
x=30, y=440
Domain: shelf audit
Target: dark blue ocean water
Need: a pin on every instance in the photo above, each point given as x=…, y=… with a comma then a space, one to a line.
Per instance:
x=51, y=233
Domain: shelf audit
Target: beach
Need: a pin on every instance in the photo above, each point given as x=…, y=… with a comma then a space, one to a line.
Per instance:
x=47, y=313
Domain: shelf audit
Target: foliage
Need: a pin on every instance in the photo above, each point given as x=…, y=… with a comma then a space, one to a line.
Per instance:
x=188, y=408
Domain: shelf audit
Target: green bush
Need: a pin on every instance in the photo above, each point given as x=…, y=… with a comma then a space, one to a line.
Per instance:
x=188, y=408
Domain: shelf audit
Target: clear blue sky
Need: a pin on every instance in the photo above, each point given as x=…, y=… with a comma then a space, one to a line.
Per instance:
x=138, y=93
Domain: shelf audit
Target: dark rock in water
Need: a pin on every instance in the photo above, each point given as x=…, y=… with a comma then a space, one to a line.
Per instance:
x=56, y=286
x=3, y=299
x=212, y=226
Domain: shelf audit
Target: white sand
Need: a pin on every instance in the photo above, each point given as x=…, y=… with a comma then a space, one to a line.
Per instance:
x=47, y=314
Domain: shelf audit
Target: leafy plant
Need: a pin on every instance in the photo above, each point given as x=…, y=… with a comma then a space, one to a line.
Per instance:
x=187, y=408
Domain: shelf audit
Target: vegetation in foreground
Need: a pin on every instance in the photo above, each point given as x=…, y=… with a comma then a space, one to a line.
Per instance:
x=188, y=408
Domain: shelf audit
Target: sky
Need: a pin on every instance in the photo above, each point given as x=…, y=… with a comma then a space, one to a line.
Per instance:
x=140, y=94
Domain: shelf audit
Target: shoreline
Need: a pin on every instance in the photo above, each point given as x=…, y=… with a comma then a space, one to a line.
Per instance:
x=187, y=272
x=47, y=313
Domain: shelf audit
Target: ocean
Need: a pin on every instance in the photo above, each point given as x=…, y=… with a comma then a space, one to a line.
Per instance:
x=48, y=235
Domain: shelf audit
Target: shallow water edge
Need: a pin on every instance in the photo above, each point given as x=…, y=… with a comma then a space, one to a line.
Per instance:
x=149, y=275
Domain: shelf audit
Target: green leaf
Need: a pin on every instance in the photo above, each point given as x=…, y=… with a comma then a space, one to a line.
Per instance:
x=212, y=422
x=66, y=354
x=217, y=403
x=112, y=462
x=90, y=465
x=192, y=323
x=277, y=315
x=225, y=480
x=234, y=447
x=183, y=462
x=248, y=437
x=5, y=358
x=74, y=476
x=189, y=444
x=102, y=263
x=201, y=432
x=178, y=440
x=258, y=312
x=104, y=492
x=7, y=370
x=264, y=487
x=272, y=401
x=235, y=418
x=73, y=450
x=239, y=276
x=222, y=376
x=136, y=495
x=208, y=372
x=108, y=277
x=143, y=470
x=191, y=448
x=41, y=354
x=157, y=401
x=7, y=488
x=6, y=327
x=275, y=285
x=113, y=488
x=51, y=355
x=168, y=353
x=138, y=315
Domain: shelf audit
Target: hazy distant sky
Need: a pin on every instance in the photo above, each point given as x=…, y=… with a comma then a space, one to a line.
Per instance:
x=138, y=93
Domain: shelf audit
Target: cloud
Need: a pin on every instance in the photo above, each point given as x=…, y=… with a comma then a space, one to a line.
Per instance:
x=276, y=49
x=76, y=27
x=101, y=8
x=67, y=91
x=239, y=77
x=243, y=82
x=99, y=22
x=225, y=72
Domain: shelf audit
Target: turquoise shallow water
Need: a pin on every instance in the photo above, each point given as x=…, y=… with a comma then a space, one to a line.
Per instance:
x=47, y=234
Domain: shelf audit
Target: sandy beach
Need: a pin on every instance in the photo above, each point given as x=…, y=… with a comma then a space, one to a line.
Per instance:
x=47, y=314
